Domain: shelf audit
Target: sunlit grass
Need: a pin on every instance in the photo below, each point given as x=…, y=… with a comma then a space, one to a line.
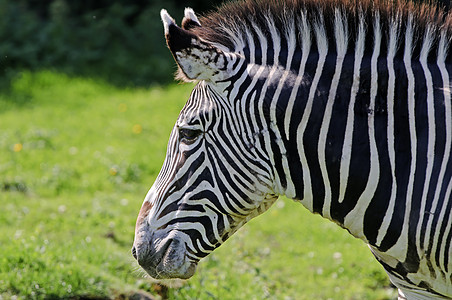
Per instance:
x=77, y=157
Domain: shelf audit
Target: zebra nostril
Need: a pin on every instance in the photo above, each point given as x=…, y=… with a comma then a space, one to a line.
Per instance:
x=134, y=252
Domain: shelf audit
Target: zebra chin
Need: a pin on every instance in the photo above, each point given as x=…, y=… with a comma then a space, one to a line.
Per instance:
x=164, y=261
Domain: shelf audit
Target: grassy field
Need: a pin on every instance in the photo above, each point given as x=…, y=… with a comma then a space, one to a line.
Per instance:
x=77, y=157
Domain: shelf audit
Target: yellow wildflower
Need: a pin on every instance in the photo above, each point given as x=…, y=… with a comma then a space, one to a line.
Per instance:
x=137, y=129
x=17, y=147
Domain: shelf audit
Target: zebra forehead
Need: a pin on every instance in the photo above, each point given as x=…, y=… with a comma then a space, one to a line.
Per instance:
x=231, y=24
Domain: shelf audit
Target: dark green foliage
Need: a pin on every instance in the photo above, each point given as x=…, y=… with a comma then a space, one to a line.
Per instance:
x=119, y=41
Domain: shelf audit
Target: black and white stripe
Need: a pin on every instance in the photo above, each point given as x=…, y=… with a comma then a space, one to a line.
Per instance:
x=345, y=107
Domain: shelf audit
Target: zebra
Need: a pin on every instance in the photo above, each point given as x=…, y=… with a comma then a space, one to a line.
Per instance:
x=341, y=105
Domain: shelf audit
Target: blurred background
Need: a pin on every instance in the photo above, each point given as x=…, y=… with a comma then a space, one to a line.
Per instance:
x=87, y=103
x=119, y=41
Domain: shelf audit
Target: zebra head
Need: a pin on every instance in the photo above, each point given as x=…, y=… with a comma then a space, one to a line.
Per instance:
x=215, y=176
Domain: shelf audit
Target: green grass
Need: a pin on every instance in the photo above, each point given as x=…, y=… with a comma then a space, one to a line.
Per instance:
x=77, y=157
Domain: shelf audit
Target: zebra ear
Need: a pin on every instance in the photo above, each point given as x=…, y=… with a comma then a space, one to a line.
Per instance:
x=197, y=59
x=190, y=20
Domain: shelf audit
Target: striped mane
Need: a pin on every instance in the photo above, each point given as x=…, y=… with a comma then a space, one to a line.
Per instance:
x=236, y=23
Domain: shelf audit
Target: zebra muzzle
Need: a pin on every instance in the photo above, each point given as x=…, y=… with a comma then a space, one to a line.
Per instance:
x=166, y=259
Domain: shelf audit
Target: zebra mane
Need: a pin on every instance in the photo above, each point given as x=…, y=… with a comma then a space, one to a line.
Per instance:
x=330, y=23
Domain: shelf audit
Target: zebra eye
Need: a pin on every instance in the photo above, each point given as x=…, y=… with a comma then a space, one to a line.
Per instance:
x=189, y=135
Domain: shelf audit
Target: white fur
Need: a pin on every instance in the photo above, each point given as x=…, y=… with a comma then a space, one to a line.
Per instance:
x=305, y=33
x=190, y=14
x=322, y=46
x=348, y=138
x=354, y=221
x=426, y=46
x=399, y=249
x=166, y=19
x=392, y=49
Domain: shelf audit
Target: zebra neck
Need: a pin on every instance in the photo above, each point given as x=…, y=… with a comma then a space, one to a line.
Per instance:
x=314, y=126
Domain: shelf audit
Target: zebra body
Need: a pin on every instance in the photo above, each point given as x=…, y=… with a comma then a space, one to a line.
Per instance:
x=344, y=107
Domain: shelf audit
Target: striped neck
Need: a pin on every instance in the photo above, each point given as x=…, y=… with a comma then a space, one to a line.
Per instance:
x=323, y=104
